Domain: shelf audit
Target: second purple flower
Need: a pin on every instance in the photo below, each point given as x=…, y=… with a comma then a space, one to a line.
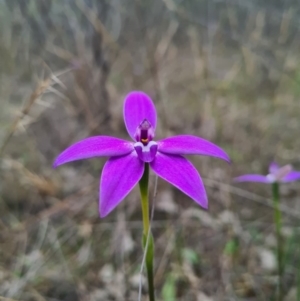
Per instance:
x=125, y=167
x=276, y=173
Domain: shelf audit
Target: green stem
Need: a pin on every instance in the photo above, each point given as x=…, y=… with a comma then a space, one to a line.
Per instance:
x=147, y=231
x=149, y=264
x=280, y=250
x=144, y=199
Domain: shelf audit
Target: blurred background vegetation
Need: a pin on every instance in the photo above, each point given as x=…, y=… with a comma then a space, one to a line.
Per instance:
x=226, y=70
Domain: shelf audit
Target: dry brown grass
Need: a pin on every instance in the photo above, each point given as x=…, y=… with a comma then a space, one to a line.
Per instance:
x=227, y=73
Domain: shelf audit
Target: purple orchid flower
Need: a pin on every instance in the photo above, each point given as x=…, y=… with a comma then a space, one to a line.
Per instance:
x=277, y=174
x=125, y=167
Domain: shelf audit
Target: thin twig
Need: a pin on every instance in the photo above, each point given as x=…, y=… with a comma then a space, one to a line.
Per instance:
x=98, y=25
x=41, y=88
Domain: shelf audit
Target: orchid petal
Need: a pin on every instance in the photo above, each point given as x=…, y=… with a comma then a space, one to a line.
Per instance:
x=191, y=145
x=94, y=147
x=273, y=167
x=253, y=178
x=119, y=176
x=292, y=176
x=138, y=106
x=182, y=174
